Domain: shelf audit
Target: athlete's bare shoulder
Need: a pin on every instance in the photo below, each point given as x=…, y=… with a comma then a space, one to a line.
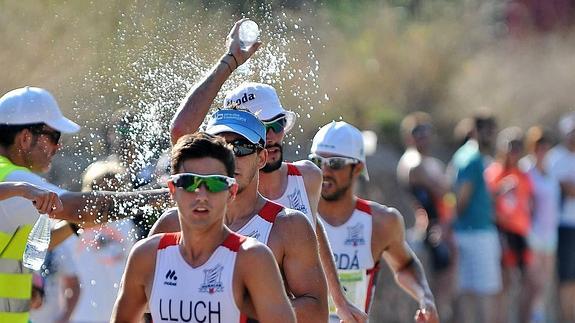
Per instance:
x=308, y=170
x=251, y=249
x=167, y=222
x=385, y=218
x=292, y=224
x=143, y=254
x=388, y=224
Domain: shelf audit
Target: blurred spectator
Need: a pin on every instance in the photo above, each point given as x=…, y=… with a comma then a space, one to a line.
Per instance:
x=479, y=253
x=424, y=177
x=59, y=284
x=100, y=253
x=544, y=217
x=512, y=193
x=561, y=164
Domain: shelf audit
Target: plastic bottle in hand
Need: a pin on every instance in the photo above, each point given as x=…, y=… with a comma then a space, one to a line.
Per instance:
x=37, y=245
x=248, y=33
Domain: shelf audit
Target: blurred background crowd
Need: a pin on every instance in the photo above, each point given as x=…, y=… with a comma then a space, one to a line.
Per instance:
x=431, y=79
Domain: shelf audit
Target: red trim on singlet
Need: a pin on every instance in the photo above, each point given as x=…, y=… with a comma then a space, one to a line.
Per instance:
x=372, y=273
x=363, y=205
x=270, y=211
x=169, y=239
x=234, y=241
x=293, y=170
x=243, y=318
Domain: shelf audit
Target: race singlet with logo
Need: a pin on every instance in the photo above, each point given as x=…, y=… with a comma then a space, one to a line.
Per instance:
x=181, y=293
x=351, y=247
x=295, y=195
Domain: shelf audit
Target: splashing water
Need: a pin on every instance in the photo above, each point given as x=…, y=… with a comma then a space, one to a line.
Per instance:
x=159, y=64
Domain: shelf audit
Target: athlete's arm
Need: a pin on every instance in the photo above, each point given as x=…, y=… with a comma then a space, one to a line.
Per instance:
x=196, y=105
x=302, y=268
x=132, y=300
x=264, y=286
x=167, y=222
x=409, y=273
x=346, y=310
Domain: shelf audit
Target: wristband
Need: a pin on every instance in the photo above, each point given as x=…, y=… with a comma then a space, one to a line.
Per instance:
x=231, y=70
x=235, y=60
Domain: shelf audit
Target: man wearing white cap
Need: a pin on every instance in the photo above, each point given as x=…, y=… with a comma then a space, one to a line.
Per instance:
x=362, y=232
x=30, y=127
x=296, y=185
x=561, y=165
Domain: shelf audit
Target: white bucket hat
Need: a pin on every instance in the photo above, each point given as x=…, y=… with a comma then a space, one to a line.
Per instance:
x=30, y=105
x=340, y=139
x=261, y=100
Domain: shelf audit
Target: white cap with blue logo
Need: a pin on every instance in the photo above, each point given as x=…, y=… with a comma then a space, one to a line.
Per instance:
x=243, y=123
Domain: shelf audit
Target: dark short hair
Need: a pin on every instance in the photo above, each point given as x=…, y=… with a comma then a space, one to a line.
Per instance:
x=8, y=132
x=200, y=145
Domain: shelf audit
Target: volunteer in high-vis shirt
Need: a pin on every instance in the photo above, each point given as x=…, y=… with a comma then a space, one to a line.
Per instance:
x=30, y=127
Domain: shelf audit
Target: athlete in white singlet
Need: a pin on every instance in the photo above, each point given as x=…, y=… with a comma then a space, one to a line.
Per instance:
x=203, y=272
x=362, y=232
x=351, y=246
x=202, y=294
x=295, y=195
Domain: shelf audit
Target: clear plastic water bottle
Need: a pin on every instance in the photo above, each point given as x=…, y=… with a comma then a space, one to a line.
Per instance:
x=37, y=245
x=248, y=33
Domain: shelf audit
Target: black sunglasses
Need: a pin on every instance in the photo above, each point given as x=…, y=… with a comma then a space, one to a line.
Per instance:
x=243, y=147
x=53, y=135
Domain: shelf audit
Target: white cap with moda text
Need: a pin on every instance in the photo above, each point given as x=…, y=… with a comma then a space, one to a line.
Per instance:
x=261, y=100
x=29, y=105
x=340, y=139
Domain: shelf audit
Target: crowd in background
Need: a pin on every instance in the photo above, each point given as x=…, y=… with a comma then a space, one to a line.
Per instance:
x=497, y=220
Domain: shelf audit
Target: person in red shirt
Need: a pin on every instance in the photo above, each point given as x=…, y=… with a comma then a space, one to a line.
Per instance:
x=512, y=194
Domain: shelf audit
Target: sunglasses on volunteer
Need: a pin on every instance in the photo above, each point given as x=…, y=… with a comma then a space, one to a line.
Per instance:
x=334, y=163
x=190, y=182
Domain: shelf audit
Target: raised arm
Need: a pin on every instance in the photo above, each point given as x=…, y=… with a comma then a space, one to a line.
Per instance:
x=302, y=269
x=266, y=289
x=196, y=105
x=346, y=310
x=409, y=273
x=131, y=301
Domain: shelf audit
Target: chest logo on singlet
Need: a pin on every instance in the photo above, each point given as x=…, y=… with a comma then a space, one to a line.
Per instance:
x=254, y=234
x=171, y=278
x=296, y=202
x=212, y=280
x=355, y=235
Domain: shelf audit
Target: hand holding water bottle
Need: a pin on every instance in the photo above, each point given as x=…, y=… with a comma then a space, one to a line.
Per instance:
x=44, y=200
x=242, y=49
